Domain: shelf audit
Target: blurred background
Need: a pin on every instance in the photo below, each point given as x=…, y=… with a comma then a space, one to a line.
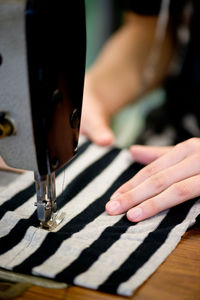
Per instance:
x=102, y=19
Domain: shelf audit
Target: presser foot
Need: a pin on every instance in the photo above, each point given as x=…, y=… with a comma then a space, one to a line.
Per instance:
x=46, y=201
x=55, y=220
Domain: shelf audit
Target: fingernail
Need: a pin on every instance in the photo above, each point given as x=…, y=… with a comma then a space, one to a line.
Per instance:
x=135, y=213
x=112, y=206
x=115, y=195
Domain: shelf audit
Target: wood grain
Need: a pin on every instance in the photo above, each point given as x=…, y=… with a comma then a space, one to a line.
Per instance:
x=177, y=278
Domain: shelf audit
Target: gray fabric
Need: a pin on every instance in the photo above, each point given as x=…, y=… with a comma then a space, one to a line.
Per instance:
x=71, y=248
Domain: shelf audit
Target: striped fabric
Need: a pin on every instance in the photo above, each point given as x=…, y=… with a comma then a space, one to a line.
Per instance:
x=89, y=248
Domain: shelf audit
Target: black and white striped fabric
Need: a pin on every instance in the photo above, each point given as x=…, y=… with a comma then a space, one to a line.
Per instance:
x=89, y=248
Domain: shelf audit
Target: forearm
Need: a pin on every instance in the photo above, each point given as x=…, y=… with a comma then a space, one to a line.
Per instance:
x=117, y=75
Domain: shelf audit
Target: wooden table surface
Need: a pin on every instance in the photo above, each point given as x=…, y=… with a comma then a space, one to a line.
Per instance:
x=177, y=278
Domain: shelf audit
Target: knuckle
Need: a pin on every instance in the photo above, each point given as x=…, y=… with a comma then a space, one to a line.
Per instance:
x=153, y=206
x=158, y=182
x=123, y=198
x=149, y=170
x=127, y=200
x=181, y=190
x=123, y=188
x=126, y=187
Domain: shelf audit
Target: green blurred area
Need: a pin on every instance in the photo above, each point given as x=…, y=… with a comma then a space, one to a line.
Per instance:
x=102, y=17
x=99, y=26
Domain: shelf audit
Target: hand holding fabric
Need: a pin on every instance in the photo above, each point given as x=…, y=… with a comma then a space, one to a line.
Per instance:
x=171, y=177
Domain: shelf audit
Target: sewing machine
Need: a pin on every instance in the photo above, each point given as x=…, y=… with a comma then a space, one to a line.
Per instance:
x=42, y=62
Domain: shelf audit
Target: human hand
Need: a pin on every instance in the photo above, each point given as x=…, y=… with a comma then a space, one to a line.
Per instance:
x=116, y=78
x=171, y=177
x=95, y=120
x=5, y=167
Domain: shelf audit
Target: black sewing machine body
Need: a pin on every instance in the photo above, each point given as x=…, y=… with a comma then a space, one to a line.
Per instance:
x=42, y=64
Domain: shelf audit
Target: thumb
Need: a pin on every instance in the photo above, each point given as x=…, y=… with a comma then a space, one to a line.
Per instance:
x=146, y=154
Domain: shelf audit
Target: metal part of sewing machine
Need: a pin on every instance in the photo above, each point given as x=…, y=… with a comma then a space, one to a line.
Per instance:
x=42, y=62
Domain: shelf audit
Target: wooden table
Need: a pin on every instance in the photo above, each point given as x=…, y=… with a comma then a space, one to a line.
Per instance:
x=177, y=278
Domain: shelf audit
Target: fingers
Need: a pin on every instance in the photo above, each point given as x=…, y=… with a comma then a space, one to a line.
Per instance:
x=167, y=181
x=5, y=167
x=155, y=184
x=177, y=154
x=95, y=124
x=146, y=154
x=98, y=131
x=95, y=119
x=174, y=195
